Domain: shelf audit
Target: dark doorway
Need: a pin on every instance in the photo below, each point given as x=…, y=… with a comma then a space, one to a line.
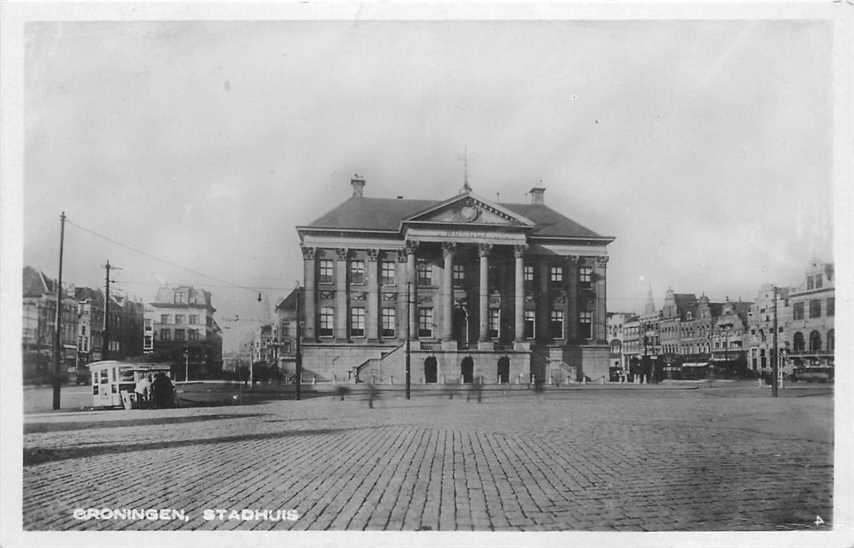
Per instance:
x=430, y=370
x=461, y=324
x=467, y=370
x=504, y=370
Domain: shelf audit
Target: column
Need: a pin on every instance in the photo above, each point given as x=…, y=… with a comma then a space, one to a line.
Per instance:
x=483, y=290
x=572, y=297
x=308, y=255
x=543, y=305
x=600, y=314
x=401, y=277
x=447, y=290
x=519, y=293
x=411, y=246
x=341, y=294
x=372, y=312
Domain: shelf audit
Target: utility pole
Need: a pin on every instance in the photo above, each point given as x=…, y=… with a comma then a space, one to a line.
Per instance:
x=775, y=359
x=57, y=365
x=408, y=336
x=186, y=364
x=105, y=343
x=298, y=357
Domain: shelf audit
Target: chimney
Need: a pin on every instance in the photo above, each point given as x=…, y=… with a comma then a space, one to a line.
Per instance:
x=358, y=184
x=537, y=195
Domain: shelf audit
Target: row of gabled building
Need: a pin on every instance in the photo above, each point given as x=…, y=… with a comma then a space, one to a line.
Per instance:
x=83, y=326
x=691, y=336
x=178, y=327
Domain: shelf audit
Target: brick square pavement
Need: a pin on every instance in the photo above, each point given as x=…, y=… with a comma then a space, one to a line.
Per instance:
x=633, y=460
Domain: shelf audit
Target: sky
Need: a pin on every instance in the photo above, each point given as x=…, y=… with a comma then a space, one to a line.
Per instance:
x=703, y=147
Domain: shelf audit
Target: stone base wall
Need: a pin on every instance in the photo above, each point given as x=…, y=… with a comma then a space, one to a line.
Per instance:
x=334, y=362
x=591, y=361
x=388, y=364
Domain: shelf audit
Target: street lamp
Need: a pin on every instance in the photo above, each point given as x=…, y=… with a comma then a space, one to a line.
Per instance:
x=298, y=356
x=408, y=336
x=186, y=364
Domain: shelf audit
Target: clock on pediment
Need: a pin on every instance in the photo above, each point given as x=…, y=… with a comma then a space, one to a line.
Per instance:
x=469, y=212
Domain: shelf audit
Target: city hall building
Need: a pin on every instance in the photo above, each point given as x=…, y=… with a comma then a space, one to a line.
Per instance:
x=487, y=292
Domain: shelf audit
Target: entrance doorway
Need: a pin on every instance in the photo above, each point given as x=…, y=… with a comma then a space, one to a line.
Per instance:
x=504, y=370
x=430, y=370
x=467, y=370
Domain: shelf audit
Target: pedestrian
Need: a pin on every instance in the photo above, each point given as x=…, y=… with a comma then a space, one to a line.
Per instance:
x=373, y=393
x=539, y=388
x=162, y=391
x=154, y=392
x=143, y=391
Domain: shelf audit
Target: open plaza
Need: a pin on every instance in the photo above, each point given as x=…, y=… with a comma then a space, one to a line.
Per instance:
x=679, y=457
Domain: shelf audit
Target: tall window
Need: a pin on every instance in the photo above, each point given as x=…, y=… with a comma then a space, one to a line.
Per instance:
x=425, y=273
x=357, y=322
x=179, y=334
x=179, y=319
x=180, y=297
x=798, y=311
x=148, y=323
x=165, y=334
x=357, y=272
x=815, y=342
x=815, y=308
x=585, y=275
x=556, y=274
x=810, y=284
x=389, y=322
x=192, y=335
x=830, y=305
x=327, y=319
x=528, y=273
x=459, y=274
x=388, y=272
x=164, y=318
x=556, y=324
x=818, y=282
x=494, y=322
x=798, y=342
x=325, y=268
x=194, y=319
x=585, y=322
x=425, y=322
x=530, y=323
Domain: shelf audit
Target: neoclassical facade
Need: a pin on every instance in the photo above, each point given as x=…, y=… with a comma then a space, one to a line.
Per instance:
x=486, y=291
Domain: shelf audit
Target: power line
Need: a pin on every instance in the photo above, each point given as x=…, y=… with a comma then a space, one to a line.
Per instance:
x=165, y=261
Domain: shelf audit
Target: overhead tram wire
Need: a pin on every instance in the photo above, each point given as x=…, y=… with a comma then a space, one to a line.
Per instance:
x=255, y=289
x=168, y=262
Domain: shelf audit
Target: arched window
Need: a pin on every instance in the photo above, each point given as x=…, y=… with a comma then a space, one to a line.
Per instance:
x=815, y=341
x=831, y=341
x=798, y=342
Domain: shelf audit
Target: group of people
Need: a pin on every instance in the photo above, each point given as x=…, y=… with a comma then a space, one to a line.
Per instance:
x=156, y=393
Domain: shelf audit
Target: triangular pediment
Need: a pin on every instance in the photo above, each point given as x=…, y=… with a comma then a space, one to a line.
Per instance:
x=467, y=208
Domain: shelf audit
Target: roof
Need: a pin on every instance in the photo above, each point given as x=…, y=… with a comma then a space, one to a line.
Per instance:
x=289, y=302
x=684, y=303
x=385, y=214
x=35, y=283
x=371, y=213
x=166, y=297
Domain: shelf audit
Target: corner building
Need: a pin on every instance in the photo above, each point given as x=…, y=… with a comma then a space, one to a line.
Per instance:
x=497, y=292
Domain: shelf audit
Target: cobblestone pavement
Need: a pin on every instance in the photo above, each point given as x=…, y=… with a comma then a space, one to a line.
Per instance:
x=709, y=459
